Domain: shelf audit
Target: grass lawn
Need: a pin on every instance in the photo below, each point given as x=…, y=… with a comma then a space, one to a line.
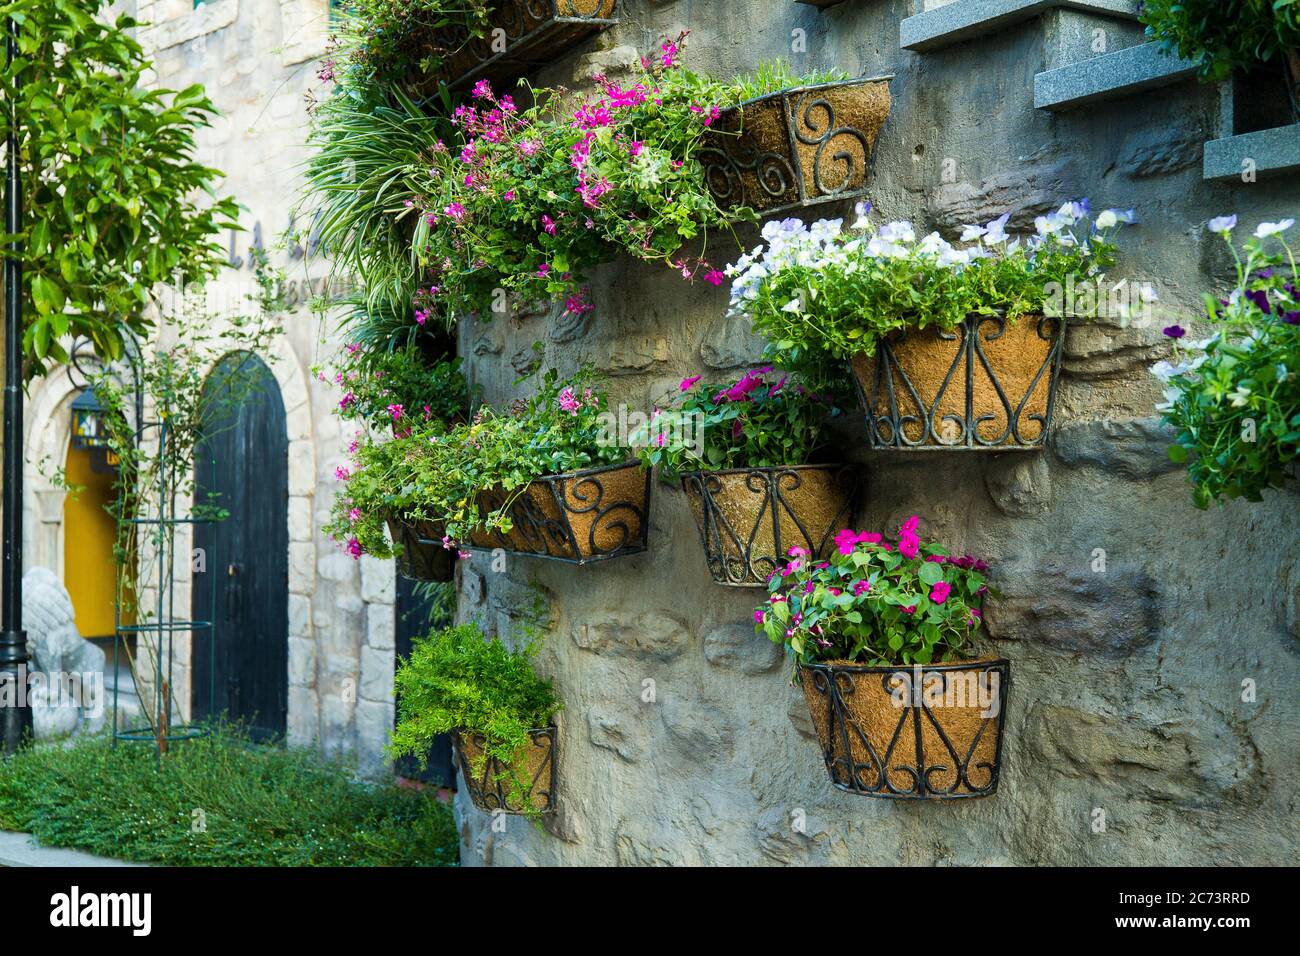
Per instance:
x=219, y=801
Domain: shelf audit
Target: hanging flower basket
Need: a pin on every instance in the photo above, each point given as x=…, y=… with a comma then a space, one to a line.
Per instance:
x=798, y=147
x=421, y=555
x=577, y=517
x=522, y=35
x=988, y=384
x=750, y=518
x=490, y=793
x=928, y=732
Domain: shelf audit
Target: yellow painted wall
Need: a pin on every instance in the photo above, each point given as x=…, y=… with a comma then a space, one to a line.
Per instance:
x=88, y=533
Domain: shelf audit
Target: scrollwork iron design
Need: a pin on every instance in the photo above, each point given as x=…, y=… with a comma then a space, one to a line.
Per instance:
x=578, y=517
x=898, y=416
x=749, y=518
x=816, y=158
x=931, y=750
x=523, y=35
x=490, y=790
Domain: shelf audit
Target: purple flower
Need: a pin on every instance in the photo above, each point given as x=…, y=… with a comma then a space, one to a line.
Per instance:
x=1175, y=331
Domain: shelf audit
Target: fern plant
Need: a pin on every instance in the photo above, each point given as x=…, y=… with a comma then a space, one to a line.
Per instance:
x=457, y=679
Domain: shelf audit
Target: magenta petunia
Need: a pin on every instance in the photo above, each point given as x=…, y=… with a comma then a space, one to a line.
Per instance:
x=689, y=383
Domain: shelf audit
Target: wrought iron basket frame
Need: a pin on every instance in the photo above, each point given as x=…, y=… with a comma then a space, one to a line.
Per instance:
x=970, y=350
x=410, y=538
x=490, y=795
x=840, y=721
x=793, y=139
x=553, y=33
x=544, y=529
x=714, y=554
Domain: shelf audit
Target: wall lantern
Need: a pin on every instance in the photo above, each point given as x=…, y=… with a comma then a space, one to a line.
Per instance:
x=89, y=427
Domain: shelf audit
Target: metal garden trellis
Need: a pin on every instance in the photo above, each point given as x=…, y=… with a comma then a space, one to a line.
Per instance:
x=161, y=627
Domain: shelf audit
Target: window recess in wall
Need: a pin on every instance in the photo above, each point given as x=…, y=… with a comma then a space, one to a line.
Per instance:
x=1259, y=128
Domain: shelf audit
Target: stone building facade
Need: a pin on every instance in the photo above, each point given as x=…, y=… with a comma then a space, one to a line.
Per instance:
x=1136, y=625
x=257, y=60
x=1154, y=647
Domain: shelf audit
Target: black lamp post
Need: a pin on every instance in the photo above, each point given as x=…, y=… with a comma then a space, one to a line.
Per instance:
x=16, y=712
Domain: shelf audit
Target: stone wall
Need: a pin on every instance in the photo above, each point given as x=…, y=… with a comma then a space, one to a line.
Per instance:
x=1132, y=620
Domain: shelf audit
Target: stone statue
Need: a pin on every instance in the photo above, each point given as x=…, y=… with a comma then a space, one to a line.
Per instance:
x=66, y=673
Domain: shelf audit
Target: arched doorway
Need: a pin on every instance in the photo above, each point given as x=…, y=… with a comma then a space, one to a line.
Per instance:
x=241, y=566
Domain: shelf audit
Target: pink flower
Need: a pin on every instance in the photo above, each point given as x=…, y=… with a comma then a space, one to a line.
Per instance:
x=689, y=383
x=834, y=592
x=635, y=149
x=354, y=548
x=910, y=609
x=661, y=438
x=847, y=539
x=548, y=225
x=456, y=211
x=341, y=473
x=354, y=515
x=395, y=411
x=909, y=526
x=568, y=402
x=714, y=277
x=482, y=90
x=509, y=195
x=861, y=587
x=347, y=400
x=758, y=617
x=974, y=617
x=809, y=588
x=529, y=147
x=939, y=593
x=543, y=270
x=797, y=551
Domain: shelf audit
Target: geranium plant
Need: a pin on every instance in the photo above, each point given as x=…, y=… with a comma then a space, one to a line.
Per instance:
x=1234, y=397
x=516, y=201
x=394, y=388
x=435, y=472
x=875, y=602
x=457, y=679
x=1223, y=36
x=823, y=291
x=760, y=420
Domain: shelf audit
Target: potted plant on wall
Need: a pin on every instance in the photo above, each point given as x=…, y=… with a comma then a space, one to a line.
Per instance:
x=500, y=713
x=1234, y=397
x=796, y=145
x=880, y=633
x=546, y=479
x=392, y=391
x=951, y=347
x=742, y=451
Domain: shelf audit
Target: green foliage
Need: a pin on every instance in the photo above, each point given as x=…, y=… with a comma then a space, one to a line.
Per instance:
x=501, y=205
x=435, y=472
x=758, y=421
x=112, y=196
x=1234, y=398
x=876, y=603
x=398, y=38
x=387, y=387
x=819, y=292
x=1223, y=36
x=457, y=679
x=260, y=806
x=774, y=75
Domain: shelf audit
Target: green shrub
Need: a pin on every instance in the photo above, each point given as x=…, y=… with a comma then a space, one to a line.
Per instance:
x=457, y=679
x=219, y=801
x=1223, y=36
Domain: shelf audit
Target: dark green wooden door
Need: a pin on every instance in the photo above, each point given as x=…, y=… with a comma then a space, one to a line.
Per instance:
x=240, y=669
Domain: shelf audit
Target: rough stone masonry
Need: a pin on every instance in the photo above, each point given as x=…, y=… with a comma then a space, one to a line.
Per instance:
x=1131, y=619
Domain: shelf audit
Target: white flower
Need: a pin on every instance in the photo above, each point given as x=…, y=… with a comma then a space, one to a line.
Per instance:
x=1282, y=373
x=1223, y=224
x=1240, y=397
x=1046, y=225
x=1107, y=219
x=792, y=306
x=995, y=232
x=971, y=233
x=1266, y=229
x=897, y=232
